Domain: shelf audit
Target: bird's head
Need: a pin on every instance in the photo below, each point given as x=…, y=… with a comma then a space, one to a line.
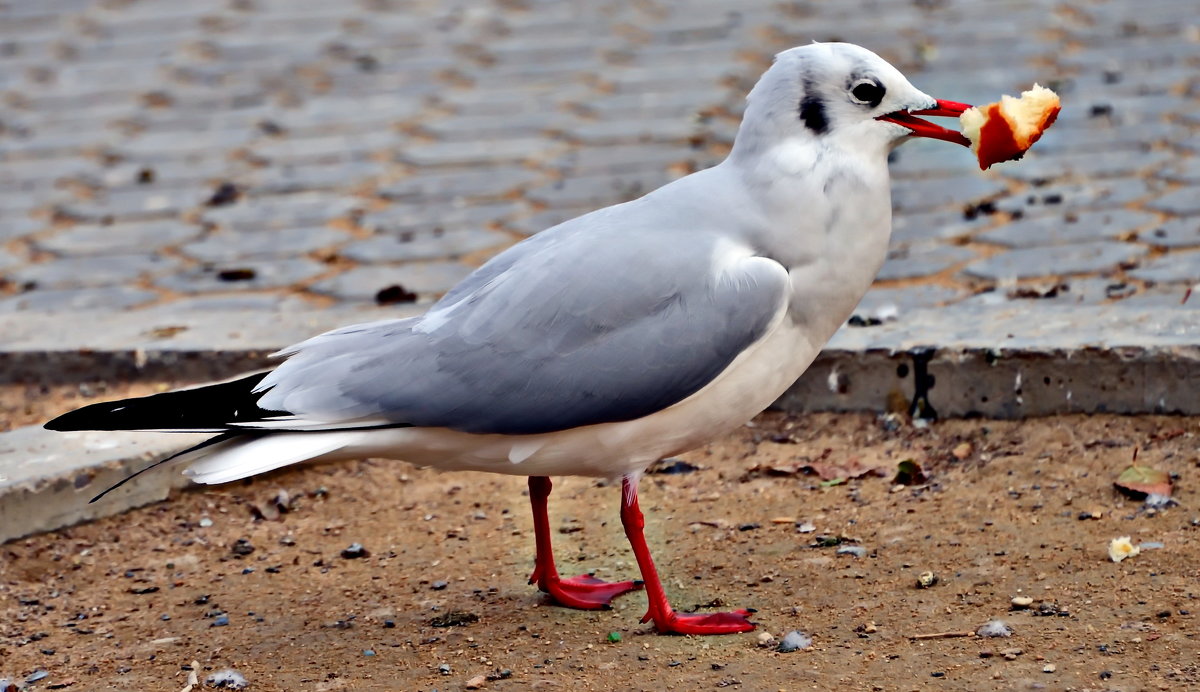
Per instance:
x=844, y=95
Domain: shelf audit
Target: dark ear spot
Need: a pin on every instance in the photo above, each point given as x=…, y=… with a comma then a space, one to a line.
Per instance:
x=812, y=112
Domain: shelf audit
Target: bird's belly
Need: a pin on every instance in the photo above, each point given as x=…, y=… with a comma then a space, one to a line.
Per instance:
x=754, y=380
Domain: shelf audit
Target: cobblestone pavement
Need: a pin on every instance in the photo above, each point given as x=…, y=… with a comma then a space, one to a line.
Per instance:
x=271, y=155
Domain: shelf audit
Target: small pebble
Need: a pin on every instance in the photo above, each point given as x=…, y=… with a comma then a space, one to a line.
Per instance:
x=368, y=652
x=855, y=550
x=355, y=551
x=1049, y=668
x=994, y=628
x=205, y=522
x=1011, y=654
x=794, y=641
x=37, y=675
x=444, y=668
x=164, y=617
x=1158, y=501
x=765, y=638
x=806, y=527
x=438, y=585
x=221, y=621
x=1021, y=602
x=926, y=580
x=389, y=624
x=476, y=682
x=228, y=679
x=241, y=547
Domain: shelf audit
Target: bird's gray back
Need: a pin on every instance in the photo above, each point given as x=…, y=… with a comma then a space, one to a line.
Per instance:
x=608, y=317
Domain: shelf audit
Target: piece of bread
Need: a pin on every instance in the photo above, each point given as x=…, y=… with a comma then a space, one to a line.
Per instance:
x=1004, y=131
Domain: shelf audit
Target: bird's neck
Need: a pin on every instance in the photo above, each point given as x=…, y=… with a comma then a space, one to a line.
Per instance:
x=825, y=214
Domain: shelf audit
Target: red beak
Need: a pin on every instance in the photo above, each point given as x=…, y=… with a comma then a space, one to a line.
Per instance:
x=924, y=128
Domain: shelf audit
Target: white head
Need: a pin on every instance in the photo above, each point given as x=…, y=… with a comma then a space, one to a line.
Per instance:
x=840, y=95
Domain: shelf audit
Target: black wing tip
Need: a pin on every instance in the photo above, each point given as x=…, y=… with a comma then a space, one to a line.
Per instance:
x=87, y=418
x=209, y=407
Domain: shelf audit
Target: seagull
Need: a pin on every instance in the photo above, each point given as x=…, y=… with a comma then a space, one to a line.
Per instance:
x=604, y=344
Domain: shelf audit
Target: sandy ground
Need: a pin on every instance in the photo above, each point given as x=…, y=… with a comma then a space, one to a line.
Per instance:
x=221, y=576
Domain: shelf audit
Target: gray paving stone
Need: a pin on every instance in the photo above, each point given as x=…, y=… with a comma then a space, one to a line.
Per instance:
x=680, y=104
x=243, y=275
x=597, y=191
x=305, y=209
x=529, y=224
x=82, y=272
x=1184, y=201
x=104, y=299
x=289, y=179
x=1179, y=266
x=1080, y=258
x=922, y=262
x=341, y=90
x=220, y=302
x=119, y=238
x=512, y=103
x=424, y=245
x=623, y=158
x=1041, y=292
x=427, y=279
x=1079, y=196
x=34, y=174
x=334, y=147
x=1182, y=170
x=488, y=127
x=886, y=304
x=478, y=152
x=666, y=129
x=183, y=142
x=137, y=172
x=931, y=228
x=931, y=193
x=403, y=217
x=1110, y=136
x=8, y=259
x=1059, y=229
x=18, y=226
x=1167, y=296
x=264, y=243
x=138, y=203
x=471, y=183
x=1176, y=233
x=1095, y=164
x=924, y=158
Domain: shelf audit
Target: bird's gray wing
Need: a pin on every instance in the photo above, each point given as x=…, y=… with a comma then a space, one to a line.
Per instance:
x=576, y=326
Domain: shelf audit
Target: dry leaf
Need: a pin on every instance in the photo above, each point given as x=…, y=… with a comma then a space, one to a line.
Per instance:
x=1140, y=481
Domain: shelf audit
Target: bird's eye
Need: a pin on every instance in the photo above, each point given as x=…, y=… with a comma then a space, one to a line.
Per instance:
x=868, y=92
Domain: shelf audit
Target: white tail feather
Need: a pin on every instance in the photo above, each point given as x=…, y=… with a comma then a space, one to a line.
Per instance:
x=241, y=458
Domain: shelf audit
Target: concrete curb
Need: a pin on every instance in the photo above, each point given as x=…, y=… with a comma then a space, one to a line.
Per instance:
x=959, y=361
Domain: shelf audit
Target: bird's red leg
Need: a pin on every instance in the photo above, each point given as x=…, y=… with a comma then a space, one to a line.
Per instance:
x=666, y=620
x=585, y=591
